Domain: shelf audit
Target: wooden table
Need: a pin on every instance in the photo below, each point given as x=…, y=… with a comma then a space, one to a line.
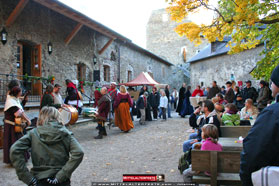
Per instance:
x=194, y=100
x=229, y=144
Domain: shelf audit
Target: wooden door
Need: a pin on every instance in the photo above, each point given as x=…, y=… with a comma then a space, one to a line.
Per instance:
x=36, y=69
x=19, y=60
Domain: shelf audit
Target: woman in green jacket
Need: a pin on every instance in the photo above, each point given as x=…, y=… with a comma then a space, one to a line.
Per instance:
x=54, y=150
x=231, y=116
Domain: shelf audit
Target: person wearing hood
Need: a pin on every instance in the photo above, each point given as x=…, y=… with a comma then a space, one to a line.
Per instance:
x=260, y=147
x=55, y=152
x=181, y=97
x=16, y=83
x=103, y=111
x=230, y=116
x=12, y=110
x=73, y=96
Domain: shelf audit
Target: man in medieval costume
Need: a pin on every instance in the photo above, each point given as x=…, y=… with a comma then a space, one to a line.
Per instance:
x=103, y=111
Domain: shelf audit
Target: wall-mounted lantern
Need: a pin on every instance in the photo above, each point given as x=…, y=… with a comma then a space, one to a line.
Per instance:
x=94, y=59
x=49, y=48
x=4, y=35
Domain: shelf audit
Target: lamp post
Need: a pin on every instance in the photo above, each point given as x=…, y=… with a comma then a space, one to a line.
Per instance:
x=49, y=48
x=4, y=35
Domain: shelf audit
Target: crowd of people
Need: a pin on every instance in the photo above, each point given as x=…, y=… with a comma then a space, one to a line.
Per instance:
x=55, y=152
x=234, y=106
x=231, y=105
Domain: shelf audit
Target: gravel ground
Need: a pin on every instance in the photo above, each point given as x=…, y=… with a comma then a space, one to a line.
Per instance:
x=151, y=148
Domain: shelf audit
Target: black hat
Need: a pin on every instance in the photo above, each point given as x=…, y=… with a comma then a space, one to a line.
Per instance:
x=57, y=86
x=228, y=82
x=248, y=81
x=275, y=76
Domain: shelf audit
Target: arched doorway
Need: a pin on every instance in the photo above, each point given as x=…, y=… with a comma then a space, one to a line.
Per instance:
x=29, y=62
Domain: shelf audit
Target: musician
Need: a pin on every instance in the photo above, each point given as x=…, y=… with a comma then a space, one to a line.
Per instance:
x=48, y=98
x=16, y=83
x=12, y=109
x=56, y=95
x=73, y=97
x=103, y=111
x=55, y=152
x=97, y=96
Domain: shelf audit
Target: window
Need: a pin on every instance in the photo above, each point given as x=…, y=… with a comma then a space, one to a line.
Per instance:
x=214, y=46
x=129, y=75
x=81, y=71
x=183, y=53
x=163, y=72
x=106, y=73
x=112, y=56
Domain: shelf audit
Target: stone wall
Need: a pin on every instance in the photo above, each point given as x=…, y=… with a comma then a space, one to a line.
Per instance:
x=130, y=60
x=165, y=42
x=37, y=25
x=162, y=40
x=220, y=68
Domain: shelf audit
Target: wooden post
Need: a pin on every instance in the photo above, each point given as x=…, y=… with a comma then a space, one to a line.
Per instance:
x=73, y=33
x=213, y=168
x=18, y=9
x=106, y=46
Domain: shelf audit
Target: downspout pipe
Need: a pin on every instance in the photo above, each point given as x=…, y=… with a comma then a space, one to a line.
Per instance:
x=119, y=61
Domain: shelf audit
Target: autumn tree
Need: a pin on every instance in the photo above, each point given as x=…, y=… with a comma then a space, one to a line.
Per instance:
x=248, y=22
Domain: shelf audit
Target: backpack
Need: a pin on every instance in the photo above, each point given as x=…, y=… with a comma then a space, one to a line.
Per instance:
x=184, y=161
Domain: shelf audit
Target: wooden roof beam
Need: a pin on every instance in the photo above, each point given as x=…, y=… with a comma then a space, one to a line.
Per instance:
x=75, y=17
x=106, y=46
x=18, y=9
x=73, y=33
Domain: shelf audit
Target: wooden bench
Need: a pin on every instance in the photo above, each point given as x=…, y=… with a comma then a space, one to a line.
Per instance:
x=223, y=167
x=235, y=131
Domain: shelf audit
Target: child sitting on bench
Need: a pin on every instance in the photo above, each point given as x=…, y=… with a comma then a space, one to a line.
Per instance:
x=209, y=143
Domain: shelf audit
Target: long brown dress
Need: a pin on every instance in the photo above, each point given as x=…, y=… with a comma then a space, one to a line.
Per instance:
x=10, y=136
x=122, y=105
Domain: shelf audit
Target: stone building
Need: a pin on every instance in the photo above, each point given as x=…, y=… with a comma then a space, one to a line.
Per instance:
x=165, y=42
x=213, y=63
x=82, y=48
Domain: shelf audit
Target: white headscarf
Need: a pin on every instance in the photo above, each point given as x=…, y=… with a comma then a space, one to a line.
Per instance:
x=12, y=101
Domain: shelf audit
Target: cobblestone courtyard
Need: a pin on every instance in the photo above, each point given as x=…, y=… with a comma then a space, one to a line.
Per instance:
x=153, y=148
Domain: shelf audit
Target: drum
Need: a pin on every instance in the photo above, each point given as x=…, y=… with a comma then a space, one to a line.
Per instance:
x=69, y=114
